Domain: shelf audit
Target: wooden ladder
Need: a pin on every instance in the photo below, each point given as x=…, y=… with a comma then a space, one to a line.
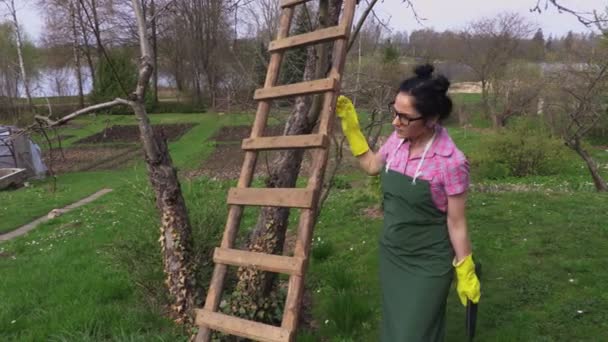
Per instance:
x=305, y=199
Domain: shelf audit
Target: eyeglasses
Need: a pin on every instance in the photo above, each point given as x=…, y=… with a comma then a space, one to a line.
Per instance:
x=404, y=118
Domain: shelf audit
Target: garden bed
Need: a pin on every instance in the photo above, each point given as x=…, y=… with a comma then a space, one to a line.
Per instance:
x=130, y=133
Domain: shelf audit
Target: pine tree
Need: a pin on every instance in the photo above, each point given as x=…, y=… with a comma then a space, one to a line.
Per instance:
x=114, y=77
x=538, y=44
x=390, y=53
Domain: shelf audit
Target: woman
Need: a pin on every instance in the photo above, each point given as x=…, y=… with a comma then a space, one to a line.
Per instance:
x=424, y=183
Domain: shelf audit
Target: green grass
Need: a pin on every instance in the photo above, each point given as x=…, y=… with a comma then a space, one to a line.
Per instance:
x=42, y=101
x=573, y=175
x=89, y=125
x=530, y=244
x=95, y=274
x=37, y=200
x=58, y=282
x=467, y=99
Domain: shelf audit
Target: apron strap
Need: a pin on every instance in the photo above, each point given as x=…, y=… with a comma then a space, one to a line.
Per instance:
x=426, y=149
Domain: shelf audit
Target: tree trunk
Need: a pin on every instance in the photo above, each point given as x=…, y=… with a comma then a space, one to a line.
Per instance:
x=498, y=121
x=269, y=233
x=85, y=39
x=26, y=85
x=97, y=30
x=76, y=55
x=598, y=181
x=176, y=232
x=155, y=53
x=484, y=98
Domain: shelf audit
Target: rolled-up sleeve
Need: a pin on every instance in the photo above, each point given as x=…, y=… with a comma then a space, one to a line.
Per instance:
x=456, y=179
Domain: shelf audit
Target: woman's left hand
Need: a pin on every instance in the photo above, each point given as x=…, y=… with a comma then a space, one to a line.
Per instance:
x=468, y=286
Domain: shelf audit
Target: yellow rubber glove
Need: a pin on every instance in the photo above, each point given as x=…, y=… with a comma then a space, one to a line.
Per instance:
x=468, y=286
x=350, y=126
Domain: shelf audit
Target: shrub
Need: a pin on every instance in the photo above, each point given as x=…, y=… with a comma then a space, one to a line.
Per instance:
x=522, y=149
x=112, y=76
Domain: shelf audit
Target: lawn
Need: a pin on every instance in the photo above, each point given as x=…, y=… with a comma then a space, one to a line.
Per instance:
x=94, y=273
x=38, y=199
x=540, y=253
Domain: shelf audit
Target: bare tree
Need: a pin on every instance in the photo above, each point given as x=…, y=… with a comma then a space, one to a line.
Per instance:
x=582, y=100
x=199, y=29
x=516, y=92
x=12, y=10
x=59, y=35
x=86, y=38
x=154, y=38
x=489, y=45
x=577, y=97
x=587, y=18
x=9, y=75
x=175, y=230
x=263, y=15
x=77, y=54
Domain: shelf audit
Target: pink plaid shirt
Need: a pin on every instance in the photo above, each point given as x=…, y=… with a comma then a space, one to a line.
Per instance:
x=445, y=167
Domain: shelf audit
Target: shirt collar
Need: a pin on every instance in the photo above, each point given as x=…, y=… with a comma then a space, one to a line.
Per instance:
x=443, y=144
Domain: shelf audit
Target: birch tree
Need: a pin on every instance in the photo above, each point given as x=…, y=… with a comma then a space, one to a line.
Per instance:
x=12, y=11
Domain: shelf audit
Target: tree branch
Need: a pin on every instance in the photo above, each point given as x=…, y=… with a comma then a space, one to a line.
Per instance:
x=160, y=11
x=360, y=23
x=86, y=110
x=582, y=17
x=145, y=69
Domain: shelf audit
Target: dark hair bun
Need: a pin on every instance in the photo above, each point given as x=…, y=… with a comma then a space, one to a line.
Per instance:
x=441, y=84
x=430, y=93
x=424, y=71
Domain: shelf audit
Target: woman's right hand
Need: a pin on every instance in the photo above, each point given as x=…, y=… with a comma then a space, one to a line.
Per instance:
x=350, y=126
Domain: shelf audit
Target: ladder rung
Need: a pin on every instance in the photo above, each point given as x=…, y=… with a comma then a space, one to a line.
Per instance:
x=286, y=142
x=263, y=261
x=291, y=3
x=241, y=327
x=314, y=37
x=302, y=88
x=272, y=197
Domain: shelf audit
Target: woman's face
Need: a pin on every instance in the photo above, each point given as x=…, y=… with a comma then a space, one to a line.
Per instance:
x=404, y=126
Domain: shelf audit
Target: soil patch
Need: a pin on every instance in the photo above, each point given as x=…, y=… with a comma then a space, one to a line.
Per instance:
x=130, y=133
x=238, y=133
x=374, y=212
x=227, y=159
x=91, y=158
x=466, y=88
x=4, y=254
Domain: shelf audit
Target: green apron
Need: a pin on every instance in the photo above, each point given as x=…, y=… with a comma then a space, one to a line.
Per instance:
x=415, y=262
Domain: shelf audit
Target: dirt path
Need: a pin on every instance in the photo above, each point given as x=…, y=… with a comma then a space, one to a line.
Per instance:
x=54, y=213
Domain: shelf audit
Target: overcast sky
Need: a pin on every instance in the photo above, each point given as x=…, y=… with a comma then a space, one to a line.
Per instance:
x=440, y=14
